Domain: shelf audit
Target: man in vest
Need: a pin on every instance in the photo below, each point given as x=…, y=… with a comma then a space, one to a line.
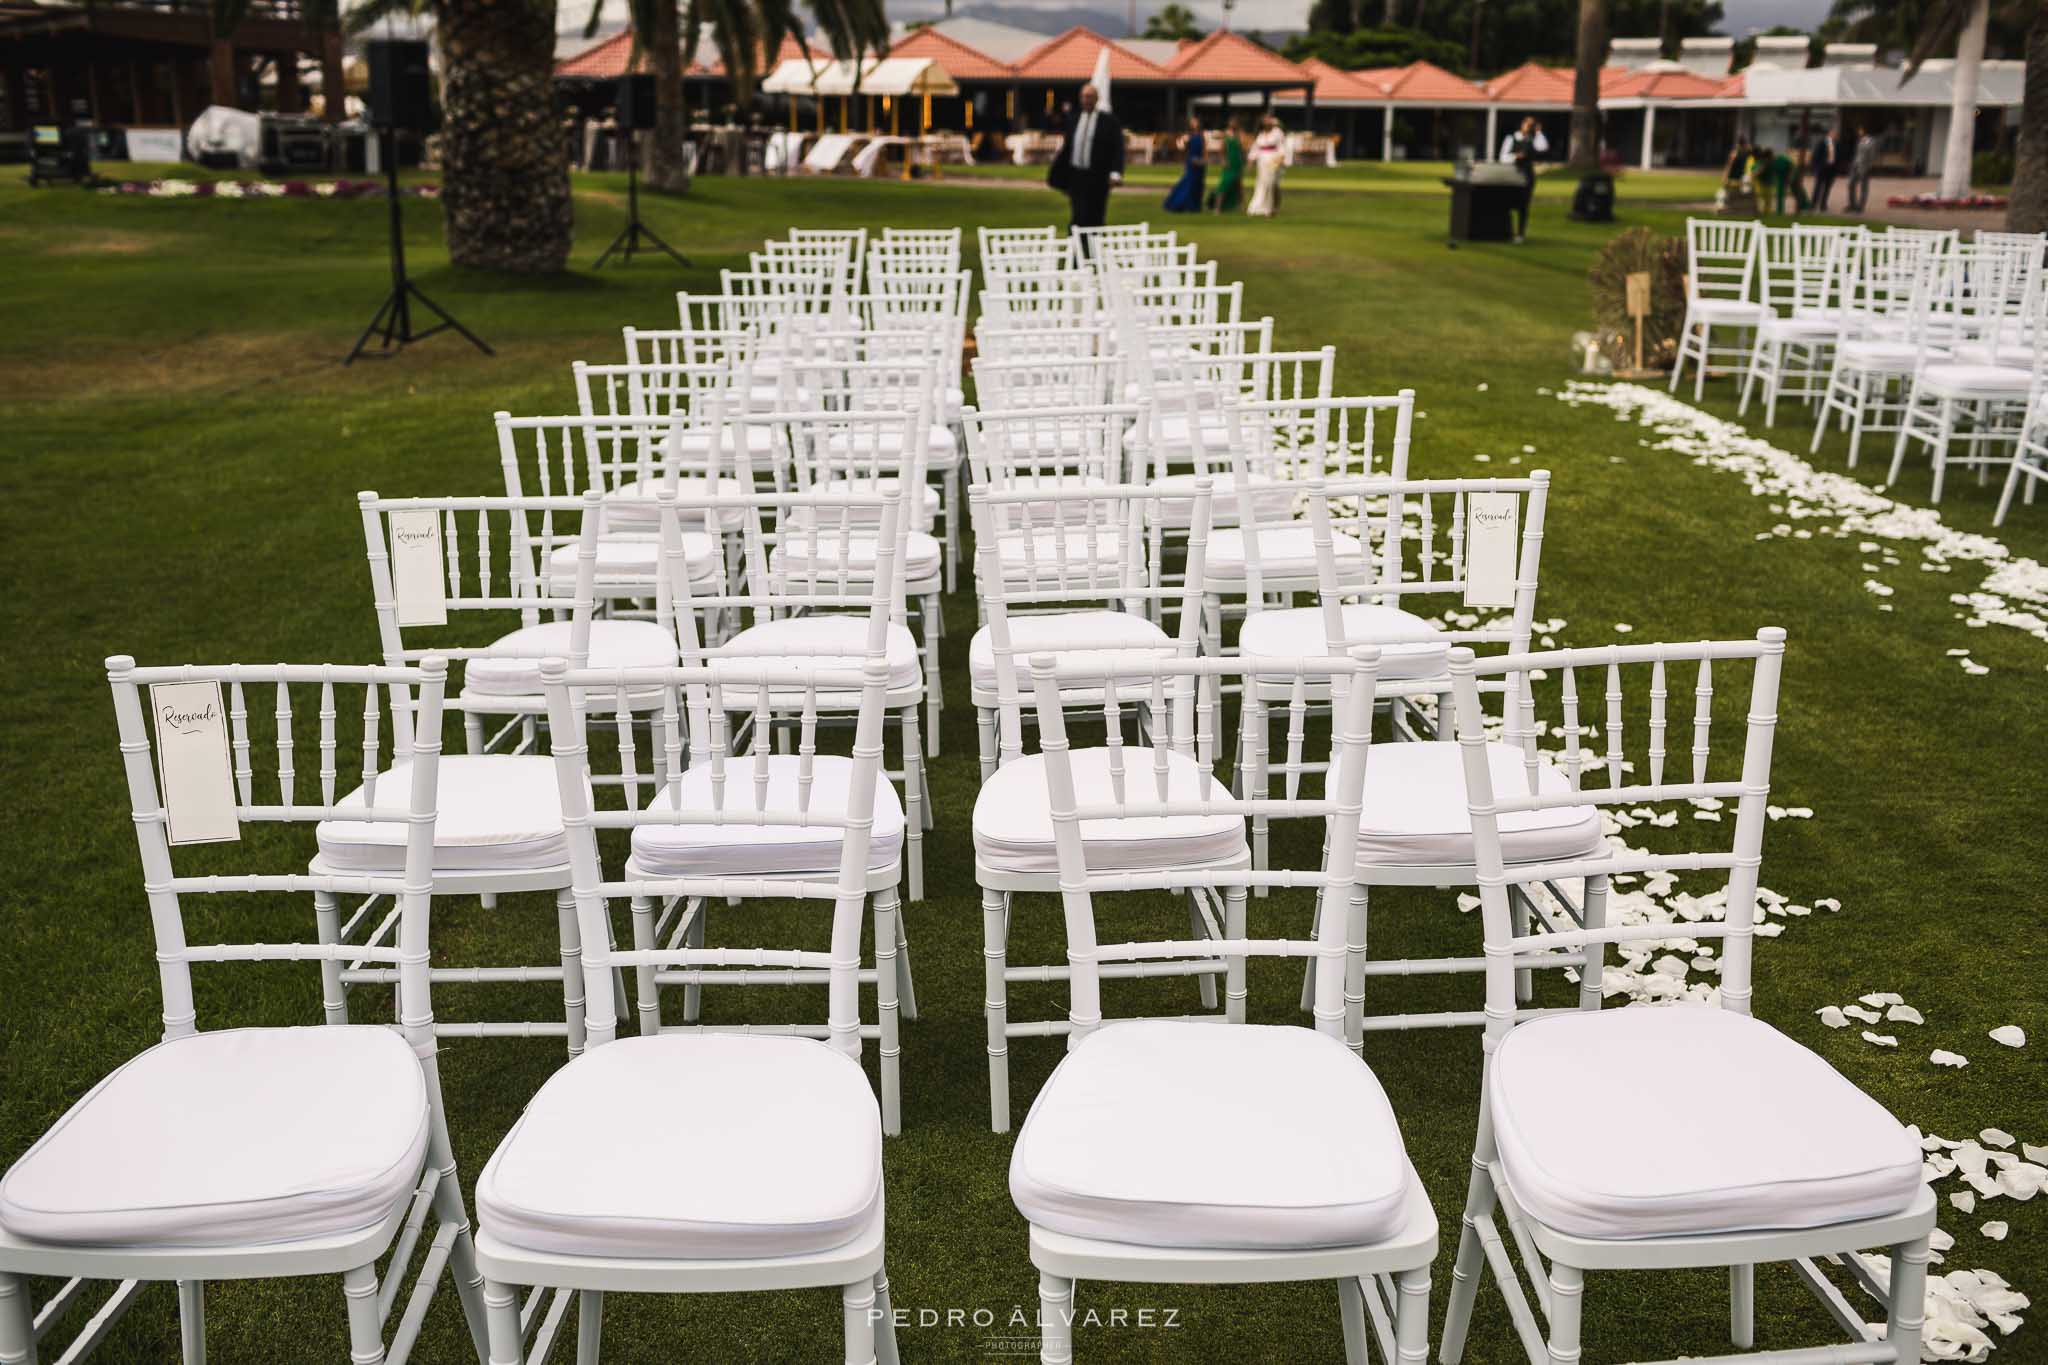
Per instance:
x=1090, y=161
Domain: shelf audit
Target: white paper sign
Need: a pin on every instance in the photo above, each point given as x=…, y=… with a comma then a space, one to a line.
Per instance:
x=1490, y=549
x=192, y=761
x=416, y=581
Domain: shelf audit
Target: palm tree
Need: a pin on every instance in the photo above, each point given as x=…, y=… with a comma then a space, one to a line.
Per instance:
x=505, y=199
x=2028, y=210
x=1592, y=52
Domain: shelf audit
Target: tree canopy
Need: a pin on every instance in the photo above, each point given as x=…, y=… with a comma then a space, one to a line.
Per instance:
x=1171, y=23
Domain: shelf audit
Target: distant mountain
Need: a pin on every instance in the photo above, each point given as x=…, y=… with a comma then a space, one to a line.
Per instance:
x=1037, y=18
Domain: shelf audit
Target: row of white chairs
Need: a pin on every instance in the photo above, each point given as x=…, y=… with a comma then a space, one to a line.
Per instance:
x=1910, y=333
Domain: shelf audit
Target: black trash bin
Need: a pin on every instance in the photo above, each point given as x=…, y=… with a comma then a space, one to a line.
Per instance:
x=1481, y=211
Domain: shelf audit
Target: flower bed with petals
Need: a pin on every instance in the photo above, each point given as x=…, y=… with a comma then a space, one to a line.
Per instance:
x=266, y=189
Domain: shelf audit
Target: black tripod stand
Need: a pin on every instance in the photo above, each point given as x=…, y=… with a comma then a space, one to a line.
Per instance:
x=393, y=317
x=629, y=238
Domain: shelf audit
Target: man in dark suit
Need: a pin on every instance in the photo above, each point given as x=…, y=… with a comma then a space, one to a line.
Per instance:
x=1090, y=161
x=1824, y=158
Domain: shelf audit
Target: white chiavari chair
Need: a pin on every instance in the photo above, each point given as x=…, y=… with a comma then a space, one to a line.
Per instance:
x=626, y=458
x=1025, y=383
x=703, y=1162
x=1275, y=450
x=1408, y=593
x=873, y=437
x=1087, y=240
x=1720, y=266
x=2029, y=459
x=1000, y=243
x=1879, y=343
x=1064, y=570
x=845, y=623
x=1792, y=355
x=854, y=240
x=1977, y=402
x=1050, y=447
x=1770, y=1154
x=1181, y=1151
x=500, y=829
x=1013, y=830
x=257, y=1152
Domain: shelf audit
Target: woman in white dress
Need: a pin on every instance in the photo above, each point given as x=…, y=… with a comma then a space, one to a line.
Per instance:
x=1269, y=154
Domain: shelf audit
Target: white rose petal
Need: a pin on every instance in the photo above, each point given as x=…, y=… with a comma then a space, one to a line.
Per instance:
x=1832, y=1017
x=1964, y=1201
x=1903, y=1014
x=2012, y=1035
x=1995, y=1137
x=1995, y=1230
x=1881, y=1039
x=1943, y=1057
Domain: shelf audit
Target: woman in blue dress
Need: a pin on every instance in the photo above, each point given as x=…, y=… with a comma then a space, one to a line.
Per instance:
x=1187, y=191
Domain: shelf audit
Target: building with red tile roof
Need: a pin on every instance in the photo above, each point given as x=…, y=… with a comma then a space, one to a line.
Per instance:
x=954, y=57
x=1070, y=57
x=1226, y=58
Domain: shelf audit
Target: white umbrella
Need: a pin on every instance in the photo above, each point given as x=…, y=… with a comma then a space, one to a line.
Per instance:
x=1100, y=80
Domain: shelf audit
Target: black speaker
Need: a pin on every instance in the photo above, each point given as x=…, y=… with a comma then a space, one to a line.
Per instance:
x=401, y=86
x=636, y=102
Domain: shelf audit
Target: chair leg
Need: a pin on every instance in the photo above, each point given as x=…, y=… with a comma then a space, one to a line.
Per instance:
x=913, y=800
x=995, y=914
x=1742, y=1306
x=365, y=1333
x=1567, y=1298
x=693, y=937
x=1234, y=990
x=906, y=989
x=1750, y=376
x=192, y=1321
x=1706, y=351
x=1356, y=923
x=1205, y=984
x=1856, y=417
x=1944, y=433
x=885, y=1009
x=934, y=691
x=885, y=1323
x=1471, y=1261
x=589, y=1325
x=1055, y=1319
x=858, y=1300
x=450, y=1212
x=327, y=922
x=1351, y=1308
x=17, y=1322
x=646, y=996
x=2012, y=481
x=1907, y=1311
x=1254, y=726
x=1525, y=978
x=1899, y=441
x=572, y=970
x=985, y=729
x=501, y=1307
x=473, y=743
x=1593, y=915
x=1411, y=1316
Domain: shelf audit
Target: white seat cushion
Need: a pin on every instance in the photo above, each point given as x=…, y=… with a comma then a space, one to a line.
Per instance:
x=1889, y=357
x=1965, y=380
x=634, y=506
x=1688, y=1120
x=1172, y=433
x=927, y=511
x=685, y=1146
x=513, y=669
x=1800, y=326
x=235, y=1138
x=1272, y=501
x=1415, y=812
x=820, y=554
x=763, y=850
x=498, y=813
x=1013, y=817
x=1163, y=1133
x=1103, y=636
x=1287, y=551
x=1422, y=652
x=2010, y=354
x=1725, y=310
x=627, y=560
x=827, y=641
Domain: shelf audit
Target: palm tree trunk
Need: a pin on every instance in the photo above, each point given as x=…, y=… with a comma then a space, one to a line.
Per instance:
x=505, y=168
x=1592, y=51
x=1962, y=115
x=665, y=168
x=2028, y=210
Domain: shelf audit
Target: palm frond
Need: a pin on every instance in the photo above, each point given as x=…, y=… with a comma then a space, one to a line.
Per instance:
x=1940, y=22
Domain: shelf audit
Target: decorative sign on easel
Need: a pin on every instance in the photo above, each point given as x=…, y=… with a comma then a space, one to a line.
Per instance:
x=1639, y=307
x=416, y=582
x=192, y=762
x=1490, y=549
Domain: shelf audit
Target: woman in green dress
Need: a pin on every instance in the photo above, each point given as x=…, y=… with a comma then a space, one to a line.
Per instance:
x=1230, y=185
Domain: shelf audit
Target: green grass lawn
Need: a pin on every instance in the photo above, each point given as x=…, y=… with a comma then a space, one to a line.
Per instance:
x=184, y=450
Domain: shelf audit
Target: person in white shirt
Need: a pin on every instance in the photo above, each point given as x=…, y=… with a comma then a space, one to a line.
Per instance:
x=1522, y=147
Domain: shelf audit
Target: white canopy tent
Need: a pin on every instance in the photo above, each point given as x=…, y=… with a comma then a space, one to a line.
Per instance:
x=895, y=77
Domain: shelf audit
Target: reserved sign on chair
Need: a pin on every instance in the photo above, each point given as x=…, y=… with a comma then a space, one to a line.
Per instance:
x=192, y=763
x=421, y=593
x=1490, y=549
